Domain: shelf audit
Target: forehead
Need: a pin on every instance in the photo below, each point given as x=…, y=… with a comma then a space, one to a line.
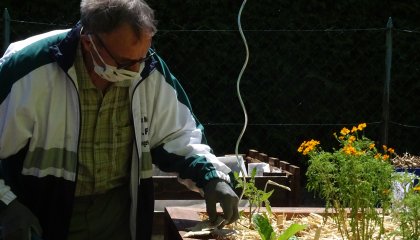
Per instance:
x=123, y=42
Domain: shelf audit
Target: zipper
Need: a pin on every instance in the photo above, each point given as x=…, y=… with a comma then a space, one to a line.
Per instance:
x=80, y=130
x=132, y=119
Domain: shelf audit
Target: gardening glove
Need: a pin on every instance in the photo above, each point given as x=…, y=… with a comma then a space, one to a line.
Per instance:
x=18, y=222
x=219, y=191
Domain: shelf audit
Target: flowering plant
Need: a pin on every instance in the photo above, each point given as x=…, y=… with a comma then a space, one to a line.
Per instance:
x=354, y=180
x=406, y=207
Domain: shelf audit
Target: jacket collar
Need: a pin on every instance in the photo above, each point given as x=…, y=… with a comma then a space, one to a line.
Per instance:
x=149, y=65
x=65, y=51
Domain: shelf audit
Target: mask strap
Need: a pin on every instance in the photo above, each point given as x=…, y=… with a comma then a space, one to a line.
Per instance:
x=96, y=50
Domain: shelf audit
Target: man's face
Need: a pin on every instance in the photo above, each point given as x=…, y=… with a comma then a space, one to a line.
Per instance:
x=120, y=48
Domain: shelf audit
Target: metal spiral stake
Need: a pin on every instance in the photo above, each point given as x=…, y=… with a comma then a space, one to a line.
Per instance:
x=6, y=29
x=385, y=99
x=240, y=98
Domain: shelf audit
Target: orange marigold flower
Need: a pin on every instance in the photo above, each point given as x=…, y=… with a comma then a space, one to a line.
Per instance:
x=378, y=155
x=300, y=149
x=344, y=131
x=341, y=137
x=352, y=139
x=416, y=188
x=384, y=147
x=349, y=150
x=371, y=146
x=354, y=129
x=360, y=153
x=391, y=150
x=307, y=146
x=361, y=126
x=385, y=157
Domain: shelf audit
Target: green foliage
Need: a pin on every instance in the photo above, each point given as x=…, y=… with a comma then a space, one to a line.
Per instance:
x=255, y=196
x=355, y=176
x=410, y=216
x=406, y=208
x=262, y=224
x=291, y=231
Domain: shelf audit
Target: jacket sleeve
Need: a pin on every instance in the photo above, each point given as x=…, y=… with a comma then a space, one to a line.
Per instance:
x=15, y=123
x=177, y=138
x=14, y=135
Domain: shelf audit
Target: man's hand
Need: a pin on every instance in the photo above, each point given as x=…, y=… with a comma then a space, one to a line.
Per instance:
x=17, y=221
x=216, y=191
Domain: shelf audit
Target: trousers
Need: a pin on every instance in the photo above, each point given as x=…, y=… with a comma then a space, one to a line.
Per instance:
x=101, y=217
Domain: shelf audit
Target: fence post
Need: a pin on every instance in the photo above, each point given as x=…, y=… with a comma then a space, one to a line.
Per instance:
x=6, y=21
x=385, y=100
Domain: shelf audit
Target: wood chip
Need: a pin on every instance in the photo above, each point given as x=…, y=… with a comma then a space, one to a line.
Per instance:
x=318, y=228
x=204, y=228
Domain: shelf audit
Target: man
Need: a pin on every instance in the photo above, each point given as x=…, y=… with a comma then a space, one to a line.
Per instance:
x=84, y=113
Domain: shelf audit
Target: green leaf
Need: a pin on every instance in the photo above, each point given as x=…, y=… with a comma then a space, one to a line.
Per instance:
x=263, y=226
x=267, y=195
x=268, y=207
x=290, y=231
x=273, y=236
x=253, y=173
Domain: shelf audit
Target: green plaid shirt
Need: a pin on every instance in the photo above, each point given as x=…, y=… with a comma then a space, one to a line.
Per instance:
x=106, y=139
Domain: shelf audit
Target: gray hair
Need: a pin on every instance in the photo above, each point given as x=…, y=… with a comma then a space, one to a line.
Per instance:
x=104, y=16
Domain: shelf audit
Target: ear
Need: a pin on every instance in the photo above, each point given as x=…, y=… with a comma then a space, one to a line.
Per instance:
x=85, y=42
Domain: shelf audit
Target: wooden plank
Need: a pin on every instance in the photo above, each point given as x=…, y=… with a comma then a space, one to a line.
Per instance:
x=168, y=188
x=295, y=198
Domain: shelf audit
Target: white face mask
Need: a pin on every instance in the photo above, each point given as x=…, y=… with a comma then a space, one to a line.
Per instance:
x=112, y=73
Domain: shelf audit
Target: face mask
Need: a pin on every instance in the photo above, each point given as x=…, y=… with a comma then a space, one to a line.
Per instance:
x=112, y=73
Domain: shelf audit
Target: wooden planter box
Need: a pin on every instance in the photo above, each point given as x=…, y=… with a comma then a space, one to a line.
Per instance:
x=178, y=219
x=167, y=188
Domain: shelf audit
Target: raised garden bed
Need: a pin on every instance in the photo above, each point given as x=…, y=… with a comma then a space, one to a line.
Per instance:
x=178, y=220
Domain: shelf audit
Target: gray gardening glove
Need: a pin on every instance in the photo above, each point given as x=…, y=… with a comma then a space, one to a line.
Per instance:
x=219, y=191
x=18, y=222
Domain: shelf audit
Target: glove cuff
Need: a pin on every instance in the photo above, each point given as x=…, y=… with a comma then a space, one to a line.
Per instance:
x=6, y=199
x=233, y=182
x=2, y=206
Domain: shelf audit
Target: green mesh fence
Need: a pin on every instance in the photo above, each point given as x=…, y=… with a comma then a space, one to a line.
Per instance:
x=299, y=84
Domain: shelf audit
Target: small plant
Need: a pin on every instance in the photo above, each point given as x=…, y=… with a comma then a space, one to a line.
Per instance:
x=255, y=196
x=261, y=221
x=354, y=180
x=406, y=206
x=266, y=231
